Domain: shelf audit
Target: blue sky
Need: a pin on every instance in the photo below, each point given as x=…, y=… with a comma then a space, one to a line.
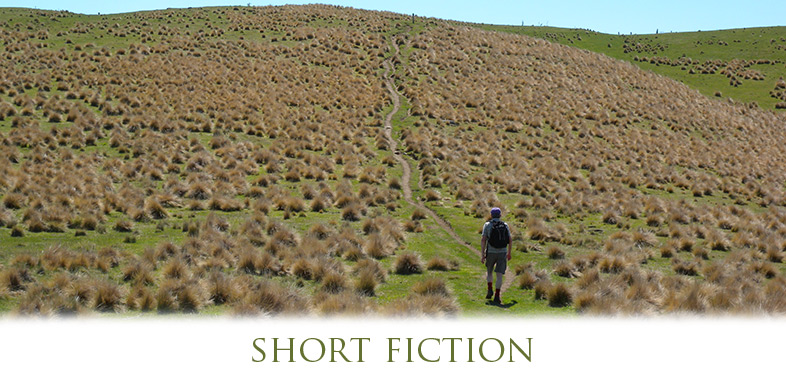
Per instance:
x=609, y=16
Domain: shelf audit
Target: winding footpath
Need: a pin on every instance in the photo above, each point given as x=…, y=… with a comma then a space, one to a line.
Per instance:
x=407, y=175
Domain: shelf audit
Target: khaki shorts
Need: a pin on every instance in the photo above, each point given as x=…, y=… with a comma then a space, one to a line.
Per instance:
x=497, y=261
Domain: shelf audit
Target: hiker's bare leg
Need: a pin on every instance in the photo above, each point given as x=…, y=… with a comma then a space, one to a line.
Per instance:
x=489, y=278
x=498, y=285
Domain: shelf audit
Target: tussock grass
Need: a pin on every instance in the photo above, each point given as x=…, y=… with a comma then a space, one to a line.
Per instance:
x=190, y=297
x=334, y=283
x=565, y=269
x=378, y=246
x=302, y=268
x=418, y=214
x=612, y=264
x=702, y=253
x=555, y=253
x=366, y=282
x=559, y=295
x=268, y=297
x=689, y=268
x=589, y=278
x=222, y=289
x=320, y=231
x=408, y=263
x=138, y=273
x=123, y=226
x=526, y=280
x=175, y=269
x=25, y=260
x=667, y=251
x=14, y=279
x=108, y=296
x=352, y=212
x=413, y=226
x=542, y=289
x=441, y=264
x=141, y=298
x=166, y=297
x=422, y=305
x=17, y=232
x=431, y=286
x=372, y=266
x=345, y=303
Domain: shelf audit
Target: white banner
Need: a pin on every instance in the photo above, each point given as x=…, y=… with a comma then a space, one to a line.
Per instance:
x=213, y=346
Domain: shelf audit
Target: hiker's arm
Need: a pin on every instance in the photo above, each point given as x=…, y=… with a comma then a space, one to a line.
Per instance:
x=483, y=249
x=510, y=247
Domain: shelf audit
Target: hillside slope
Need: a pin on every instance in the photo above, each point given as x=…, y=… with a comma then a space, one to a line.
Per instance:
x=329, y=160
x=747, y=65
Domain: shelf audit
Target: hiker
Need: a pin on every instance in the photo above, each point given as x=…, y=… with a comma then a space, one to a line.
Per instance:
x=495, y=250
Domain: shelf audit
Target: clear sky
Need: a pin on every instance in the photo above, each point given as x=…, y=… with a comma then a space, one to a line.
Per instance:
x=609, y=16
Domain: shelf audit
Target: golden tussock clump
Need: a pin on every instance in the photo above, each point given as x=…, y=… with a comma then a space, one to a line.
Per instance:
x=333, y=282
x=222, y=203
x=155, y=209
x=420, y=305
x=431, y=286
x=302, y=268
x=179, y=295
x=108, y=296
x=378, y=246
x=139, y=273
x=320, y=231
x=175, y=269
x=222, y=289
x=14, y=279
x=418, y=214
x=371, y=266
x=268, y=297
x=345, y=303
x=560, y=295
x=366, y=282
x=413, y=226
x=352, y=212
x=555, y=253
x=541, y=289
x=408, y=263
x=347, y=244
x=527, y=280
x=140, y=298
x=441, y=264
x=123, y=226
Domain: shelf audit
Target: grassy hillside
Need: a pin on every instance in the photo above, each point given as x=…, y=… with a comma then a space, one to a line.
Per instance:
x=324, y=160
x=747, y=65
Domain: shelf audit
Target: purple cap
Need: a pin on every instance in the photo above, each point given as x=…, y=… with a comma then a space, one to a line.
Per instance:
x=496, y=213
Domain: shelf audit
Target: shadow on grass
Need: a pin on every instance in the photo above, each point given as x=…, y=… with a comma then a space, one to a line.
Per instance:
x=504, y=305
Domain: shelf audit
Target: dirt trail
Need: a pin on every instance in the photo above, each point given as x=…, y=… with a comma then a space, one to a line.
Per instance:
x=407, y=175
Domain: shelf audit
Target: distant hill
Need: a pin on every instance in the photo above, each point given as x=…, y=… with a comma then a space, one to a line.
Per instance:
x=747, y=65
x=322, y=160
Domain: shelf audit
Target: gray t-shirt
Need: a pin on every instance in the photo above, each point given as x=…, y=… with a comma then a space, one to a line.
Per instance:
x=487, y=234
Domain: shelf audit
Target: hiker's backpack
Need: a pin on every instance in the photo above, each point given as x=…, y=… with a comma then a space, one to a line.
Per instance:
x=499, y=236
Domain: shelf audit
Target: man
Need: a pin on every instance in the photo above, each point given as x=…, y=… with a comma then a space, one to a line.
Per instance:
x=495, y=250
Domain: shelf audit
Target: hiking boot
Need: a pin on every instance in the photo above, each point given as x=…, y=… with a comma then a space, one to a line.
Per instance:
x=497, y=300
x=489, y=294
